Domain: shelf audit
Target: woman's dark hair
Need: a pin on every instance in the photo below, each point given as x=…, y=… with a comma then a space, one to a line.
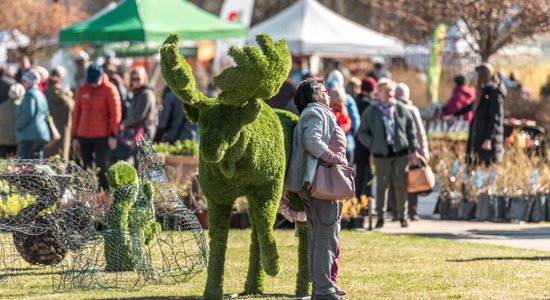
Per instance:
x=306, y=93
x=460, y=80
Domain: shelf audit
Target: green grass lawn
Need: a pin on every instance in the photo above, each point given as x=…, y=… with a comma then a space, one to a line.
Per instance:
x=372, y=266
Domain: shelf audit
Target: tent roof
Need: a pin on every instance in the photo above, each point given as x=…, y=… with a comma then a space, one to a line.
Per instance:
x=311, y=28
x=151, y=21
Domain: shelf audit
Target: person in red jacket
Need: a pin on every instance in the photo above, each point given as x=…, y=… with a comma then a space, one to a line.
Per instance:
x=462, y=96
x=339, y=110
x=96, y=119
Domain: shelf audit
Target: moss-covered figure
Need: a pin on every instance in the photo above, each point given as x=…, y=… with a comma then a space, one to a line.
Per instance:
x=303, y=280
x=130, y=223
x=242, y=149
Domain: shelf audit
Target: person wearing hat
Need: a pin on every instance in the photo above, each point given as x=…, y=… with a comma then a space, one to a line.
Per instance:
x=44, y=76
x=8, y=144
x=363, y=176
x=486, y=135
x=31, y=119
x=61, y=104
x=81, y=61
x=96, y=117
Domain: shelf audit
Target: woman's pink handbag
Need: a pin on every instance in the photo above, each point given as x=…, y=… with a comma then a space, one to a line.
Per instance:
x=333, y=182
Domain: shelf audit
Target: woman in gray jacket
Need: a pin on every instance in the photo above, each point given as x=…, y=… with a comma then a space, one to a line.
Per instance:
x=402, y=95
x=316, y=137
x=143, y=109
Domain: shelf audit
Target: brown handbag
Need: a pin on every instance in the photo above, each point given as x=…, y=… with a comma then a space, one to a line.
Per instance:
x=420, y=178
x=333, y=182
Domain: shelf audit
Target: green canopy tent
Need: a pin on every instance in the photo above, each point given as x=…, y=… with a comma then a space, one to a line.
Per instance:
x=150, y=22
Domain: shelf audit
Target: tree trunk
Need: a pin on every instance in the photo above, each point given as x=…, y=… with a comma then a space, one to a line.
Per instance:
x=485, y=54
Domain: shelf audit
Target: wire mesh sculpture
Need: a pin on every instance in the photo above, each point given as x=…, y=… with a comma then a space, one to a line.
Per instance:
x=48, y=207
x=144, y=235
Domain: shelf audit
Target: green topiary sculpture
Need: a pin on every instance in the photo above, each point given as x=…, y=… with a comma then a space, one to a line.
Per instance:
x=244, y=148
x=130, y=223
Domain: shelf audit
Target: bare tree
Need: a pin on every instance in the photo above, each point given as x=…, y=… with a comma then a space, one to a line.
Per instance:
x=493, y=24
x=40, y=20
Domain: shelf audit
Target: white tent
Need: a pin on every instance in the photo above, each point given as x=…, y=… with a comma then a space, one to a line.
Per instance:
x=311, y=28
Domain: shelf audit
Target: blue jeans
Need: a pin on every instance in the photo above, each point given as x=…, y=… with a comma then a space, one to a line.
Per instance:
x=30, y=149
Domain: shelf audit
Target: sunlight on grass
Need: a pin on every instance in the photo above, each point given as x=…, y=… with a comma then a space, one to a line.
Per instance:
x=372, y=266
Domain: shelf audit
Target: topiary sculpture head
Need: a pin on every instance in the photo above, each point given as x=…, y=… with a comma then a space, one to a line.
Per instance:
x=121, y=173
x=244, y=145
x=257, y=75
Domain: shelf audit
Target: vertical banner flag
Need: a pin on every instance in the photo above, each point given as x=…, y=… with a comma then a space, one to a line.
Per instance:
x=234, y=11
x=435, y=63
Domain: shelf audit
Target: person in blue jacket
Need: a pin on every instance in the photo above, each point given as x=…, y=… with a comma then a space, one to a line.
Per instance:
x=336, y=78
x=31, y=119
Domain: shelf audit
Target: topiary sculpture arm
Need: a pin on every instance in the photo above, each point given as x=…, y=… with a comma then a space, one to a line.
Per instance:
x=179, y=77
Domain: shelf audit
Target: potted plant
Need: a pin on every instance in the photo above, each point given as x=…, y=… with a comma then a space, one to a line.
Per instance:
x=181, y=161
x=354, y=211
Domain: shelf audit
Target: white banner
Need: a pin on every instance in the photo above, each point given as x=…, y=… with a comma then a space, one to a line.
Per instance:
x=237, y=11
x=234, y=11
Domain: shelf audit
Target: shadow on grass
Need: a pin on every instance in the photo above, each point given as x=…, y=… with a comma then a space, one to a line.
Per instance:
x=23, y=272
x=534, y=258
x=477, y=234
x=159, y=298
x=231, y=296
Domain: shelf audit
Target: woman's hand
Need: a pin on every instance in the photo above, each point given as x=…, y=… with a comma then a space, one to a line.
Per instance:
x=76, y=145
x=333, y=158
x=111, y=142
x=487, y=145
x=414, y=158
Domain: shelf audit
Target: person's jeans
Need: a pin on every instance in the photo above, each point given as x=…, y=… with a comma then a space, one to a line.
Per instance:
x=413, y=204
x=391, y=170
x=323, y=233
x=100, y=147
x=30, y=150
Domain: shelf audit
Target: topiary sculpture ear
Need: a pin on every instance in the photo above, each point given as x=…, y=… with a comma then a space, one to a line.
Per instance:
x=251, y=111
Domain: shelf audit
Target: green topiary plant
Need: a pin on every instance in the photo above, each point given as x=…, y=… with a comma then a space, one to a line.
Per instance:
x=130, y=223
x=244, y=148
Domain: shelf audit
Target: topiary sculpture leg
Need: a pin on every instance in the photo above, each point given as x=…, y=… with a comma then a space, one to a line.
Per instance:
x=218, y=219
x=254, y=284
x=263, y=208
x=303, y=280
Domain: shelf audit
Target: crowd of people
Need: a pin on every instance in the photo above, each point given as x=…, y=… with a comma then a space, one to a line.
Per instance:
x=99, y=119
x=379, y=123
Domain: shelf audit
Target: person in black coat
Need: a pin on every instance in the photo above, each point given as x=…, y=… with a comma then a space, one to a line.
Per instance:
x=486, y=136
x=5, y=84
x=363, y=176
